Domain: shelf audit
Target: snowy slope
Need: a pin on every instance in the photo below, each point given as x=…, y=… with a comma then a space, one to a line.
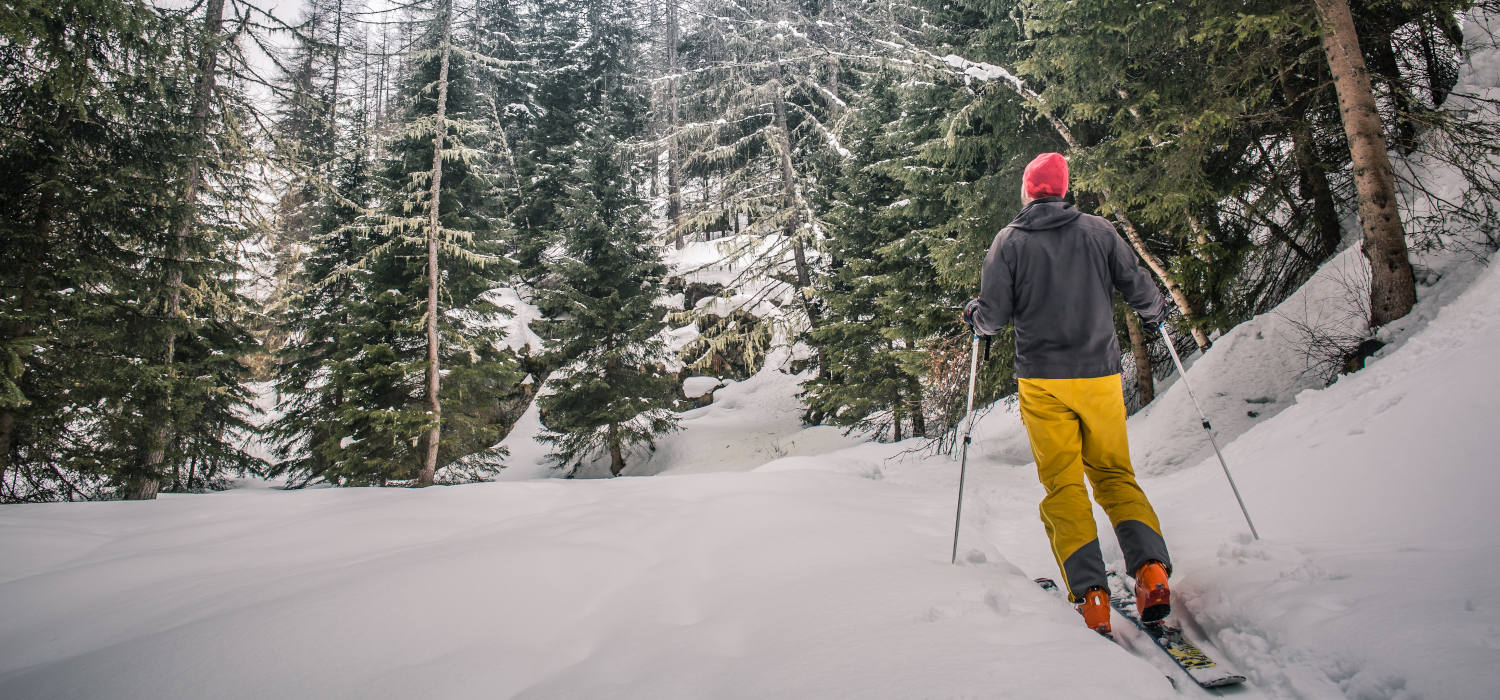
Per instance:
x=1374, y=498
x=821, y=574
x=785, y=583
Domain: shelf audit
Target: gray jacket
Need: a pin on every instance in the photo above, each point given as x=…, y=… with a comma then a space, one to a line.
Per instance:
x=1052, y=272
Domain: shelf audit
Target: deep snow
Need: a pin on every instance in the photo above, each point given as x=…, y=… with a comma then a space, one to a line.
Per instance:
x=821, y=573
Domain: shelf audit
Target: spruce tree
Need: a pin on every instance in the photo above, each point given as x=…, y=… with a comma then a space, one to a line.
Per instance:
x=411, y=372
x=881, y=291
x=123, y=300
x=610, y=392
x=331, y=183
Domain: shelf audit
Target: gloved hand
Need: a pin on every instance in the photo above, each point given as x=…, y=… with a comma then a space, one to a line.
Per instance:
x=1168, y=310
x=969, y=310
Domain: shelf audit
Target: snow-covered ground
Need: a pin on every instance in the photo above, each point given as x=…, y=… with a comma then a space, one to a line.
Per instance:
x=811, y=565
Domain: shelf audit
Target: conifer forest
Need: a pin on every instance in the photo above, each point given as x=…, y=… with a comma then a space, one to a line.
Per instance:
x=351, y=242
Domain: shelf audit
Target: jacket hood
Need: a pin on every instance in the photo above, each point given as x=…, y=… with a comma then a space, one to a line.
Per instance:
x=1042, y=214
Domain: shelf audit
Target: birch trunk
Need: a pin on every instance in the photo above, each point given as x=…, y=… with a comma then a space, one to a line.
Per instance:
x=1393, y=288
x=144, y=485
x=434, y=378
x=1174, y=290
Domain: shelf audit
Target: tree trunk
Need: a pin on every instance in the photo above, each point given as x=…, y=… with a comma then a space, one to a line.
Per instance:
x=616, y=455
x=674, y=150
x=1314, y=177
x=24, y=329
x=380, y=78
x=143, y=486
x=1145, y=386
x=791, y=201
x=1393, y=288
x=918, y=419
x=1200, y=239
x=434, y=377
x=338, y=61
x=7, y=429
x=896, y=414
x=1189, y=312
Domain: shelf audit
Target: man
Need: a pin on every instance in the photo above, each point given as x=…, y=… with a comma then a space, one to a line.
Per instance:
x=1052, y=273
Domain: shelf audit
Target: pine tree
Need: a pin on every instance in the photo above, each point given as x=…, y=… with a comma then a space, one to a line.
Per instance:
x=880, y=288
x=610, y=392
x=412, y=374
x=129, y=318
x=195, y=310
x=332, y=183
x=613, y=392
x=60, y=264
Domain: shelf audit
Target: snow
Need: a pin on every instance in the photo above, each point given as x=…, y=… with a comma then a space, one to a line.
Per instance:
x=693, y=387
x=1259, y=367
x=677, y=340
x=522, y=313
x=766, y=559
x=749, y=424
x=980, y=70
x=542, y=589
x=527, y=454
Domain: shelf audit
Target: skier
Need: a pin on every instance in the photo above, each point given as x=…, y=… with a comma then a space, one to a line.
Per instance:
x=1051, y=272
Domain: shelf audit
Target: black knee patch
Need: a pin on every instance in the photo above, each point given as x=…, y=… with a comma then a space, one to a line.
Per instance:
x=1084, y=569
x=1141, y=544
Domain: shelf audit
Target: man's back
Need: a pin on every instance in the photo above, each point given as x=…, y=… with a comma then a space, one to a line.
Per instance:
x=1052, y=272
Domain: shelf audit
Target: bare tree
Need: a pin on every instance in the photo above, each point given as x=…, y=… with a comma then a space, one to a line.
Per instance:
x=434, y=377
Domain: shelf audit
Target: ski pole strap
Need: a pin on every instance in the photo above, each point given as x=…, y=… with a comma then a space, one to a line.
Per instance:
x=987, y=340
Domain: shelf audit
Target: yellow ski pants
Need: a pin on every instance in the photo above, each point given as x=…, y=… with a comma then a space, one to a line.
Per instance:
x=1077, y=429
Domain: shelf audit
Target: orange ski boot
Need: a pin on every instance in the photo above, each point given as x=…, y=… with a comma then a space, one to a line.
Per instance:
x=1095, y=609
x=1153, y=599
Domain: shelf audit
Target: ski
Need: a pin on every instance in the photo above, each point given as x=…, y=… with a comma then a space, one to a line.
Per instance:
x=1204, y=671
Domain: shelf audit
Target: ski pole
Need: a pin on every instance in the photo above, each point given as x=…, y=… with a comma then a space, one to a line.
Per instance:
x=1182, y=371
x=963, y=462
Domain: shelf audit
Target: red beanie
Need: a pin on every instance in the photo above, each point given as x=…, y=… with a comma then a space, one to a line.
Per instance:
x=1045, y=176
